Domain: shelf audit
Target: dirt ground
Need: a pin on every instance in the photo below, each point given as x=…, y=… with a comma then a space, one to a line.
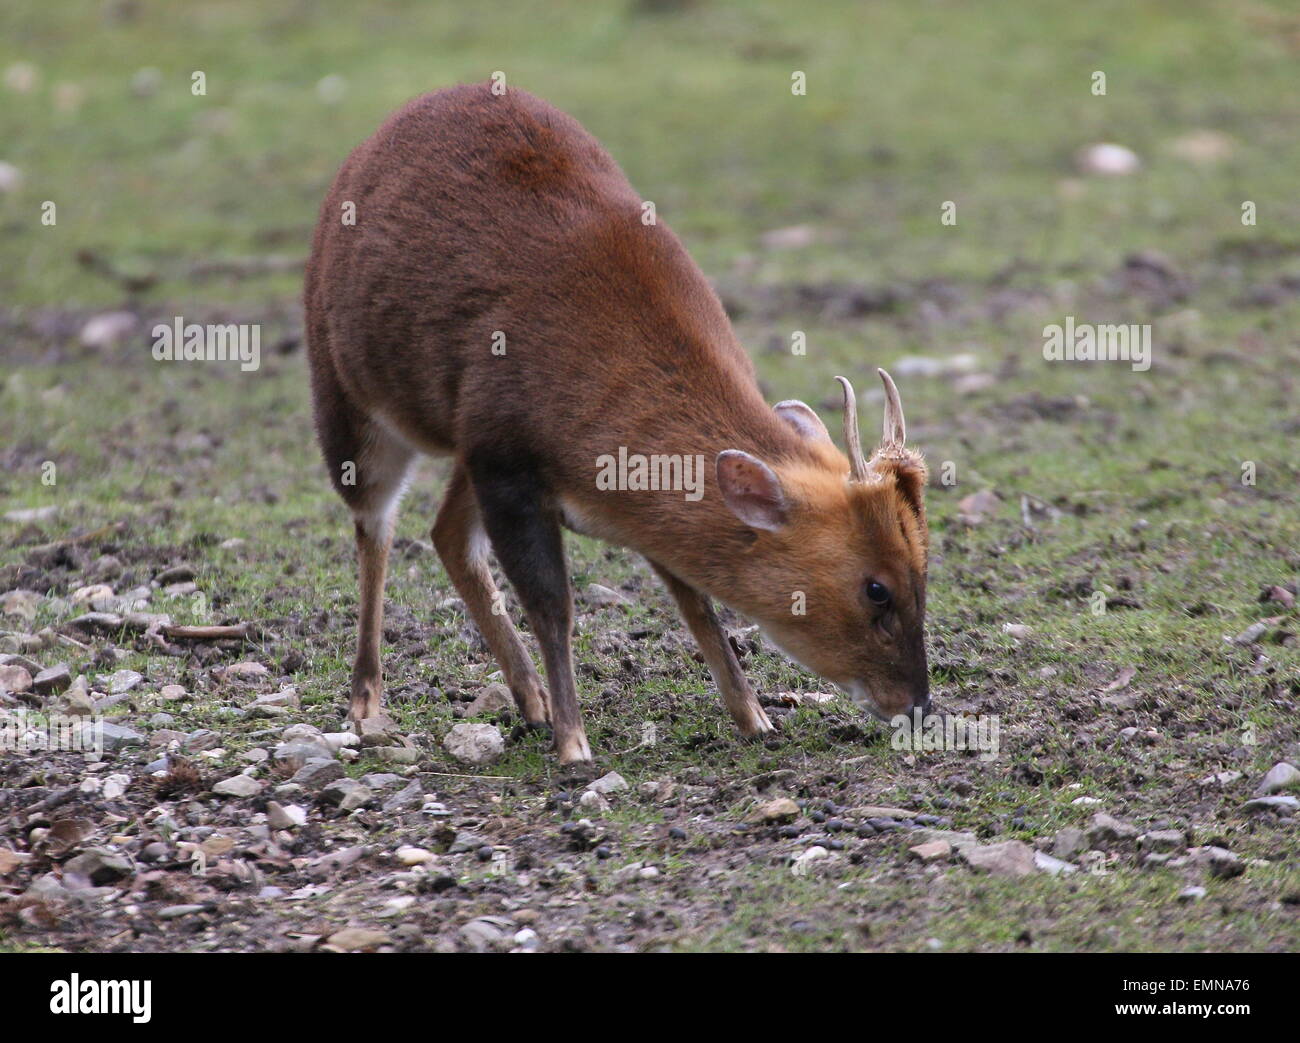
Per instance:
x=1114, y=551
x=683, y=836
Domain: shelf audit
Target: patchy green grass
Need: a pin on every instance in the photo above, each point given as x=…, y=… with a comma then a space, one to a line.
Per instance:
x=907, y=106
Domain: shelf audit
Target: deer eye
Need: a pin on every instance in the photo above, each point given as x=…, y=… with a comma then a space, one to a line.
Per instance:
x=877, y=593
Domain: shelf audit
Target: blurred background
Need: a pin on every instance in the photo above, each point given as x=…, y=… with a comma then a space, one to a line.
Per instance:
x=908, y=105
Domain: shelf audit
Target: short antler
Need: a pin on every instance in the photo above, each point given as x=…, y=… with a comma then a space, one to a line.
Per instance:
x=895, y=429
x=852, y=441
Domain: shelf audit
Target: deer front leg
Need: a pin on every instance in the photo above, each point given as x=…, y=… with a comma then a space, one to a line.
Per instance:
x=524, y=528
x=460, y=542
x=698, y=612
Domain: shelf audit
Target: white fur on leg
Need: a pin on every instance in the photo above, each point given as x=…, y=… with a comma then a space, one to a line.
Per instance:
x=385, y=470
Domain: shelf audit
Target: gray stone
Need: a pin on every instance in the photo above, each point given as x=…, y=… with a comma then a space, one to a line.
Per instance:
x=76, y=701
x=109, y=701
x=1068, y=842
x=1162, y=840
x=475, y=744
x=91, y=593
x=1008, y=858
x=12, y=641
x=53, y=680
x=957, y=840
x=146, y=621
x=468, y=840
x=1220, y=862
x=1274, y=803
x=338, y=741
x=409, y=798
x=105, y=567
x=492, y=699
x=487, y=933
x=98, y=622
x=347, y=794
x=931, y=851
x=1191, y=894
x=174, y=574
x=267, y=711
x=302, y=733
x=108, y=328
x=30, y=665
x=1281, y=776
x=782, y=809
x=247, y=671
x=1252, y=633
x=45, y=887
x=21, y=603
x=607, y=784
x=122, y=681
x=380, y=780
x=293, y=755
x=396, y=754
x=285, y=697
x=289, y=816
x=317, y=774
x=1053, y=866
x=117, y=736
x=154, y=852
x=352, y=939
x=15, y=679
x=238, y=786
x=174, y=912
x=1106, y=830
x=603, y=597
x=99, y=865
x=379, y=731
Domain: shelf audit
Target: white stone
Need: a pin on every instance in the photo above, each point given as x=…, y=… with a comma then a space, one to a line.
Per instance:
x=239, y=786
x=475, y=744
x=414, y=856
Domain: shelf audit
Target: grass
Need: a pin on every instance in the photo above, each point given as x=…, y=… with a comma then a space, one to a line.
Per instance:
x=908, y=106
x=905, y=109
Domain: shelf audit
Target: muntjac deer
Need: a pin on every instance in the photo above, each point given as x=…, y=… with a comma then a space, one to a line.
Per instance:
x=484, y=284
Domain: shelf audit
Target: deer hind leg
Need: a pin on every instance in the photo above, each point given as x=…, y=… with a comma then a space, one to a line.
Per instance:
x=462, y=545
x=369, y=467
x=697, y=610
x=525, y=532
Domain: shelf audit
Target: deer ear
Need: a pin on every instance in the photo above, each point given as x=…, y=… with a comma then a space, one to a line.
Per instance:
x=751, y=490
x=806, y=423
x=910, y=477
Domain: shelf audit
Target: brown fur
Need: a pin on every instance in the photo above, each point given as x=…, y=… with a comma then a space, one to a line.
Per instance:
x=478, y=213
